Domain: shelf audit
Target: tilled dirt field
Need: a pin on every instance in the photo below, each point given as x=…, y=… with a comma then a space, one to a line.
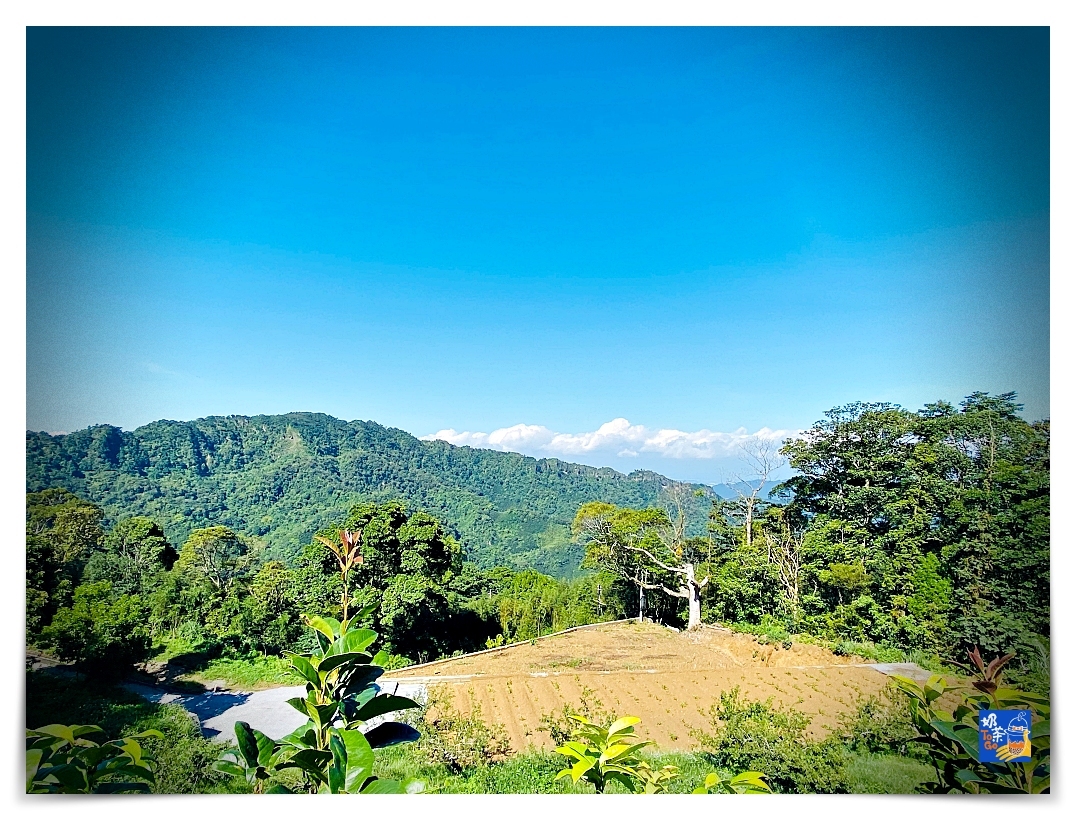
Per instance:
x=667, y=679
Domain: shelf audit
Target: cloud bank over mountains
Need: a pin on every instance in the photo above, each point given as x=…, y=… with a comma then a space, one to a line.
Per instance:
x=617, y=440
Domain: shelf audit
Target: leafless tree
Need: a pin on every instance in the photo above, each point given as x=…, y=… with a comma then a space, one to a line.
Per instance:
x=784, y=549
x=760, y=458
x=671, y=534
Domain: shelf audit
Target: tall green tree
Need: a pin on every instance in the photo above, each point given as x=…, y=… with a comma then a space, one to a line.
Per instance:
x=62, y=532
x=925, y=530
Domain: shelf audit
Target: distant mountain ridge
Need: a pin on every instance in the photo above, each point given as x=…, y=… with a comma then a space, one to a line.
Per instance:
x=280, y=478
x=743, y=487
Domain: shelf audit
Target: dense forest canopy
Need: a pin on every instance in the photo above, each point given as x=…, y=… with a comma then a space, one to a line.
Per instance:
x=920, y=531
x=279, y=479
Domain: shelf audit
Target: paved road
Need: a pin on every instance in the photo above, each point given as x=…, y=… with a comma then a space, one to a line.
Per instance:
x=266, y=710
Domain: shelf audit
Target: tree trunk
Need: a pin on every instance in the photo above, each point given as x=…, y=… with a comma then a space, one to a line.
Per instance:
x=694, y=598
x=694, y=607
x=642, y=602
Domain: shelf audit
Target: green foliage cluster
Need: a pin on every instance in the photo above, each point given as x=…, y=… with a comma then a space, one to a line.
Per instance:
x=924, y=531
x=456, y=741
x=603, y=755
x=280, y=479
x=184, y=758
x=951, y=739
x=62, y=759
x=333, y=752
x=758, y=736
x=220, y=606
x=882, y=724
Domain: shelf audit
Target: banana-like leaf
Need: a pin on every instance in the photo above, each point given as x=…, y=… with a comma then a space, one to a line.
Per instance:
x=390, y=733
x=276, y=788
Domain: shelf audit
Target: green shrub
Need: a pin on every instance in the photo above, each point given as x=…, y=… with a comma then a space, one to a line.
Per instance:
x=456, y=741
x=559, y=726
x=881, y=723
x=870, y=651
x=757, y=736
x=100, y=633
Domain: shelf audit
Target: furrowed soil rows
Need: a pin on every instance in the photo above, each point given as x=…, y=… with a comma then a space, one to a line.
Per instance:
x=668, y=679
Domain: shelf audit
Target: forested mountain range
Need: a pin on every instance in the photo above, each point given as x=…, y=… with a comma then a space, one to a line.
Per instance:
x=281, y=478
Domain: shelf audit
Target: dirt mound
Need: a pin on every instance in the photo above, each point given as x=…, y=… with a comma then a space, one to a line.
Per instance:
x=667, y=678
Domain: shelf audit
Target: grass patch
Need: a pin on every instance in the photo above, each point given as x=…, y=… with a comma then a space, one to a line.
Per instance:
x=886, y=774
x=529, y=772
x=251, y=672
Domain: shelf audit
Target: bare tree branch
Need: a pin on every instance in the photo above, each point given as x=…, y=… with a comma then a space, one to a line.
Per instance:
x=648, y=554
x=678, y=594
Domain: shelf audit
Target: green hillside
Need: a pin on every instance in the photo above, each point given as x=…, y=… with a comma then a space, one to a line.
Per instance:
x=280, y=478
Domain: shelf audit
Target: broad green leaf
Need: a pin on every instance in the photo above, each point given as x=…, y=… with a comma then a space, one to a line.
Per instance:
x=581, y=768
x=356, y=640
x=228, y=767
x=33, y=761
x=360, y=758
x=331, y=662
x=383, y=704
x=380, y=786
x=247, y=743
x=329, y=627
x=303, y=666
x=622, y=724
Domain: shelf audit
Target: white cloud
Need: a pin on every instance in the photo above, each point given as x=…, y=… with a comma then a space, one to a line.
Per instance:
x=619, y=438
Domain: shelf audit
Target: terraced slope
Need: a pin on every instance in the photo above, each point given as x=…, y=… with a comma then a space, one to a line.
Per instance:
x=668, y=679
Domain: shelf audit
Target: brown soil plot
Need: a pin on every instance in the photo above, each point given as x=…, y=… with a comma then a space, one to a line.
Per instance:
x=668, y=679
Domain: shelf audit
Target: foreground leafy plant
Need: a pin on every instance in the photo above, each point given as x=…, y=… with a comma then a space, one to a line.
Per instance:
x=333, y=750
x=63, y=760
x=743, y=783
x=953, y=738
x=605, y=755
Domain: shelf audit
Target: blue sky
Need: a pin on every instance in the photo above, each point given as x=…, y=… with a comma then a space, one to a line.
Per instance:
x=535, y=231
